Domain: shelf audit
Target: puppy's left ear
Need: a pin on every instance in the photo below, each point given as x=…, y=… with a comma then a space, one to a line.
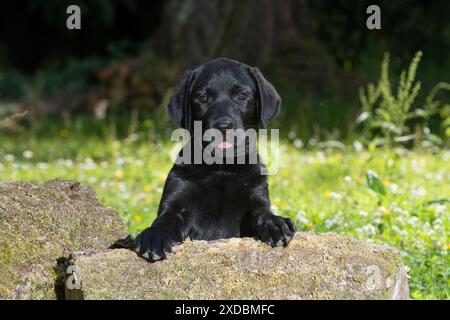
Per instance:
x=179, y=106
x=268, y=102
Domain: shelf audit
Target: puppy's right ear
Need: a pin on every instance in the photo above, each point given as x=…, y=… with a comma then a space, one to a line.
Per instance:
x=179, y=107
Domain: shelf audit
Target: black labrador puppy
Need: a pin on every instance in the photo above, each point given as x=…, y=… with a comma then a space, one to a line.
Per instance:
x=213, y=201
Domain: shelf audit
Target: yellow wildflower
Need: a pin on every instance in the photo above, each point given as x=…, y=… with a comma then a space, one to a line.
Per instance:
x=118, y=174
x=64, y=133
x=277, y=202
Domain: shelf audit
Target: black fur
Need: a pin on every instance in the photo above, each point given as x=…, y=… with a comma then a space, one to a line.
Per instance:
x=208, y=202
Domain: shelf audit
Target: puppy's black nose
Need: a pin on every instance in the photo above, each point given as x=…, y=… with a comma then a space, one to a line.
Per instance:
x=223, y=124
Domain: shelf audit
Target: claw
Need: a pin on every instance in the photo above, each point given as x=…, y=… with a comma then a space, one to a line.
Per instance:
x=275, y=231
x=153, y=245
x=156, y=257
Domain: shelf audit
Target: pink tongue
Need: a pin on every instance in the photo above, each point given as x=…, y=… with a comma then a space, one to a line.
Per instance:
x=224, y=145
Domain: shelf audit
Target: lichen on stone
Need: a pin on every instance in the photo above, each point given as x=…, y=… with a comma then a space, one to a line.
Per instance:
x=42, y=223
x=326, y=266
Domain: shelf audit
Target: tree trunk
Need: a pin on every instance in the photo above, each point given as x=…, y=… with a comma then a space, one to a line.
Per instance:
x=264, y=33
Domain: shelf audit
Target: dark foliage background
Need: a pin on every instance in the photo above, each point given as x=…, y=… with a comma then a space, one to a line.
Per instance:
x=129, y=53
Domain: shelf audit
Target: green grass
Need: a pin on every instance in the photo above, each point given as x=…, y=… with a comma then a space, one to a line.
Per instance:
x=322, y=190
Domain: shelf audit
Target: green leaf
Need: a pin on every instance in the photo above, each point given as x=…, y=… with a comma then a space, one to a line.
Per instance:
x=374, y=183
x=438, y=201
x=447, y=132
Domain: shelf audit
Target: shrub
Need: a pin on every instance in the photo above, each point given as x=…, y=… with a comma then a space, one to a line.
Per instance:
x=387, y=117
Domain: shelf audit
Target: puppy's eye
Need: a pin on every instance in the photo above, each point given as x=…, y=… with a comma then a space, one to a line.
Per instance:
x=242, y=95
x=203, y=98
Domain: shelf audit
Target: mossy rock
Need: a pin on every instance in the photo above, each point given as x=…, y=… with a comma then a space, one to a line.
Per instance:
x=326, y=266
x=47, y=230
x=39, y=225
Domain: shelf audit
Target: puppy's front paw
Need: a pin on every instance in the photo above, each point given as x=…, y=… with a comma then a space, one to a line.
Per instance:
x=153, y=244
x=275, y=230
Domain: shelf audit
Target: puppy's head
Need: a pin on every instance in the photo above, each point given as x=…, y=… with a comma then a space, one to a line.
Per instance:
x=226, y=95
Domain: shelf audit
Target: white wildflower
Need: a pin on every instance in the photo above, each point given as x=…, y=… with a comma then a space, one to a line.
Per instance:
x=419, y=192
x=377, y=213
x=28, y=154
x=363, y=213
x=9, y=157
x=440, y=175
x=68, y=163
x=367, y=230
x=42, y=166
x=122, y=187
x=439, y=208
x=358, y=146
x=390, y=163
x=298, y=143
x=92, y=180
x=393, y=187
x=133, y=137
x=120, y=161
x=413, y=220
x=88, y=164
x=404, y=213
x=336, y=196
x=274, y=209
x=312, y=141
x=399, y=231
x=320, y=155
x=301, y=217
x=329, y=223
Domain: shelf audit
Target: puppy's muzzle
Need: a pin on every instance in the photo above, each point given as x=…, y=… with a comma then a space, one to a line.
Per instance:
x=223, y=124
